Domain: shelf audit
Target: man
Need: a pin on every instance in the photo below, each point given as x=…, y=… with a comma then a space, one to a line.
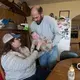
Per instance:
x=47, y=27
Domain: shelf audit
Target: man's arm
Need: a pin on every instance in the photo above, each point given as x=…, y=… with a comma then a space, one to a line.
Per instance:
x=55, y=30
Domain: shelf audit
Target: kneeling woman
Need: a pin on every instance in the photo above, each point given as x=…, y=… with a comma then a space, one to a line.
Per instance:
x=17, y=61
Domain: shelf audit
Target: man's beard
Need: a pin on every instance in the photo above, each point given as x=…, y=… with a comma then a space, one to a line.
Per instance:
x=38, y=22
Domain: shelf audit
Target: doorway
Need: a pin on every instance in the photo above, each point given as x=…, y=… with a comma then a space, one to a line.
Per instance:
x=75, y=34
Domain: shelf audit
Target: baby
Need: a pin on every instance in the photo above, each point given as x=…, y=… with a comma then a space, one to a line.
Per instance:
x=43, y=43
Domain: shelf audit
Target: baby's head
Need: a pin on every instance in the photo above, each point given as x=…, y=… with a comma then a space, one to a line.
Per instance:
x=34, y=35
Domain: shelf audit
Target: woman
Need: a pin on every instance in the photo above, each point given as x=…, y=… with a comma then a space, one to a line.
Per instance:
x=16, y=60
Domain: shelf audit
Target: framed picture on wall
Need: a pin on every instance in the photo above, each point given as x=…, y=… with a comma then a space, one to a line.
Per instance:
x=65, y=13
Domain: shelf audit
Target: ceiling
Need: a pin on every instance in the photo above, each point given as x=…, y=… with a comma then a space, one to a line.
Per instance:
x=35, y=2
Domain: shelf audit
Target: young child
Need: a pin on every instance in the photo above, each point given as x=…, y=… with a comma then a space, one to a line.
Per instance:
x=46, y=44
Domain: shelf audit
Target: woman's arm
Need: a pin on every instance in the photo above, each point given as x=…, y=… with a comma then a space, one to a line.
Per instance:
x=17, y=63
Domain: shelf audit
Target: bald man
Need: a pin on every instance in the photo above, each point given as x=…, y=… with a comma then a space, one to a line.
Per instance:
x=47, y=27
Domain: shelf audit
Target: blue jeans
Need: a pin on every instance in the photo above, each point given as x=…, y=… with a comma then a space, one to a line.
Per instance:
x=49, y=59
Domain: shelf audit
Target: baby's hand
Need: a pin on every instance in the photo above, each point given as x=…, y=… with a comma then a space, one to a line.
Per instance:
x=39, y=45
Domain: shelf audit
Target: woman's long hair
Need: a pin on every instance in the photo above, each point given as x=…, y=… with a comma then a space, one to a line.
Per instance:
x=7, y=47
